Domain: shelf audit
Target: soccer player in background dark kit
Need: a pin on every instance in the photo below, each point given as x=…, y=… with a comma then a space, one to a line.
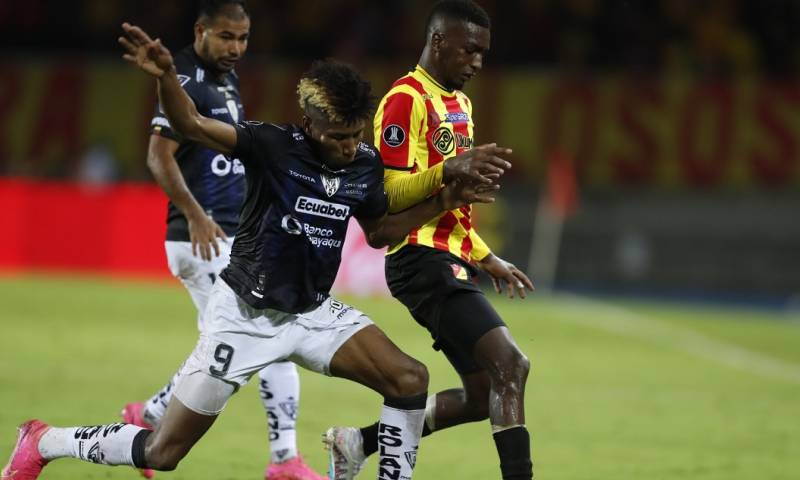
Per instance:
x=272, y=301
x=206, y=190
x=424, y=131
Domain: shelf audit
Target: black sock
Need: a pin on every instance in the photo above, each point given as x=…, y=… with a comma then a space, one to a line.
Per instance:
x=369, y=436
x=137, y=449
x=514, y=448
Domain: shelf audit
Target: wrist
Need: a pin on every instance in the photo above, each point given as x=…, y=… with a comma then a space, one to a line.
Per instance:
x=486, y=258
x=195, y=215
x=447, y=171
x=439, y=201
x=170, y=71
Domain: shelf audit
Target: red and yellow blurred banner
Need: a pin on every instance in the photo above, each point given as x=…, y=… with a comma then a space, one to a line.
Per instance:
x=666, y=133
x=73, y=227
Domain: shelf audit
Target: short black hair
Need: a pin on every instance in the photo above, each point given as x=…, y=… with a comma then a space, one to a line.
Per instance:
x=464, y=10
x=337, y=91
x=207, y=9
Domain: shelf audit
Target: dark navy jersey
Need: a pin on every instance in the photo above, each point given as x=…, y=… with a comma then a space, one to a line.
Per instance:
x=215, y=180
x=289, y=243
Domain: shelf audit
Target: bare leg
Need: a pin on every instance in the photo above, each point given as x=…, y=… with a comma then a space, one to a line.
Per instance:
x=176, y=434
x=372, y=360
x=461, y=405
x=507, y=368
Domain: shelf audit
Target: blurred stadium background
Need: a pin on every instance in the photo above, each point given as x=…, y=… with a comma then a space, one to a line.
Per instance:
x=656, y=171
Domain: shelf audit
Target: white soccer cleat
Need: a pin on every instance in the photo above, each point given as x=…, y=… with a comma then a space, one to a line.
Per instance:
x=345, y=452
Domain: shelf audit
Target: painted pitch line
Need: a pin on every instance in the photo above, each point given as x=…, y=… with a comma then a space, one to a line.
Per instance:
x=611, y=318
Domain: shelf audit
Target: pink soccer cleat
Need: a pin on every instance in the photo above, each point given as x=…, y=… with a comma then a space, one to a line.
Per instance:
x=292, y=469
x=133, y=413
x=26, y=463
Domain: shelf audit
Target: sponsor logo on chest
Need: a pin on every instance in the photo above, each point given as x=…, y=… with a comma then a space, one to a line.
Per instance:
x=443, y=141
x=457, y=117
x=302, y=176
x=321, y=208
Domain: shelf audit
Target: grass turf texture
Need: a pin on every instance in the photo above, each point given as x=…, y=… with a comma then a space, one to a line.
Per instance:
x=618, y=390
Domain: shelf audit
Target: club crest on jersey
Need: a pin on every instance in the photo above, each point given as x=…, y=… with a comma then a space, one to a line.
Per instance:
x=443, y=140
x=394, y=135
x=459, y=272
x=233, y=110
x=331, y=184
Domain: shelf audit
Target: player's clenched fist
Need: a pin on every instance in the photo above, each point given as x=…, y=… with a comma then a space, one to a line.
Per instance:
x=481, y=164
x=144, y=52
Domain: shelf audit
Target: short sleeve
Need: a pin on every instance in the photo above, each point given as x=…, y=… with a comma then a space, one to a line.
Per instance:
x=159, y=124
x=251, y=142
x=376, y=202
x=479, y=248
x=398, y=122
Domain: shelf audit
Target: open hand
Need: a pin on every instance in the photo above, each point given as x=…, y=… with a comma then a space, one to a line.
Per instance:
x=144, y=52
x=203, y=232
x=501, y=271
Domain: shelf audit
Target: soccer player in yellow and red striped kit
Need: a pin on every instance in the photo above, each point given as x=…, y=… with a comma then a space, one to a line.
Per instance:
x=425, y=134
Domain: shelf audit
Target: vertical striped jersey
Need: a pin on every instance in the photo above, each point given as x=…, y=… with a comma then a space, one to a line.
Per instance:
x=418, y=125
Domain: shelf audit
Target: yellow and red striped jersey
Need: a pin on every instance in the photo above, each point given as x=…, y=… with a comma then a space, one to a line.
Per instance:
x=418, y=125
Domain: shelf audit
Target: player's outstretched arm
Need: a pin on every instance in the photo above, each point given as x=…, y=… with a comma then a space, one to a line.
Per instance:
x=155, y=59
x=392, y=229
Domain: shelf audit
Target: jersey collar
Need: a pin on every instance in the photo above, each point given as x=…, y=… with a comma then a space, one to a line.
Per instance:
x=427, y=77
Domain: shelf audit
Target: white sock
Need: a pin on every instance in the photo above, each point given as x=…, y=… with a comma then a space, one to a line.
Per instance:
x=155, y=408
x=399, y=432
x=279, y=386
x=107, y=444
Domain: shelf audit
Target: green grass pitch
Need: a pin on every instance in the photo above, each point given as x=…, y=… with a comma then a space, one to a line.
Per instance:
x=619, y=390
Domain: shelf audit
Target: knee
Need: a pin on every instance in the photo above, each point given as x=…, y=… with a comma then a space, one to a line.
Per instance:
x=511, y=371
x=520, y=367
x=163, y=458
x=523, y=366
x=408, y=380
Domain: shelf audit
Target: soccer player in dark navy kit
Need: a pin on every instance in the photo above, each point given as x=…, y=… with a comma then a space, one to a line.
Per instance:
x=272, y=303
x=206, y=191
